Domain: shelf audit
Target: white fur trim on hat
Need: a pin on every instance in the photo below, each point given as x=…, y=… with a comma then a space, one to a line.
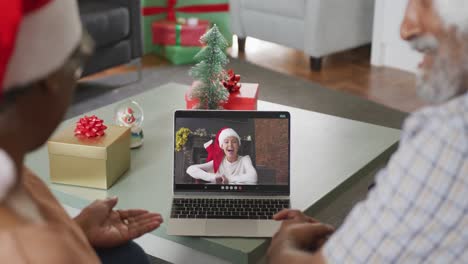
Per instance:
x=227, y=132
x=453, y=12
x=46, y=38
x=7, y=174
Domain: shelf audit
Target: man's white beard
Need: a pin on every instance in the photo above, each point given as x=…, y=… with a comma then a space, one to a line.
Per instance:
x=444, y=80
x=442, y=83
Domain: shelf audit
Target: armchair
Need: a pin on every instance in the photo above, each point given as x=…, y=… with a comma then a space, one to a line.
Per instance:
x=317, y=27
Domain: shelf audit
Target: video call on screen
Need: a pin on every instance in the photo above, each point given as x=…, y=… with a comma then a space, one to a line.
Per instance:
x=261, y=157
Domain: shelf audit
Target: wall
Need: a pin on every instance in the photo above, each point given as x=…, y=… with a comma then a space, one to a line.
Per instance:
x=387, y=47
x=271, y=144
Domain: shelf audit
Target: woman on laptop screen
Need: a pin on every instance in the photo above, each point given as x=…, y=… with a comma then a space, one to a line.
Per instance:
x=224, y=165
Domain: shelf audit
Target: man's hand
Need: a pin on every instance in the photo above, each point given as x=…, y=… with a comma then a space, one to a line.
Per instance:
x=298, y=237
x=105, y=227
x=296, y=215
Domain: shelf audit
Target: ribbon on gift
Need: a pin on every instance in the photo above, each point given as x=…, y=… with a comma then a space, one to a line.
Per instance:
x=171, y=9
x=178, y=33
x=90, y=127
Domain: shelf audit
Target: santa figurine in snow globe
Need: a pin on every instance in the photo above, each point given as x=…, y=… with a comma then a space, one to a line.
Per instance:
x=130, y=114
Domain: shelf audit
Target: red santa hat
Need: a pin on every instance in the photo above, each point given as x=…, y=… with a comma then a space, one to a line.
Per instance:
x=453, y=12
x=36, y=37
x=215, y=148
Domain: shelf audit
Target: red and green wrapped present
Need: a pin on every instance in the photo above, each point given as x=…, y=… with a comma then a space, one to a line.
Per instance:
x=186, y=34
x=179, y=55
x=215, y=11
x=242, y=96
x=244, y=99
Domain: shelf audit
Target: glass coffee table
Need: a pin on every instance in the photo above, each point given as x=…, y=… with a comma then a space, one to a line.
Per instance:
x=326, y=152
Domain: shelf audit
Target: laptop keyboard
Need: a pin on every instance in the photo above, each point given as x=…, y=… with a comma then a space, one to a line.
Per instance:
x=227, y=208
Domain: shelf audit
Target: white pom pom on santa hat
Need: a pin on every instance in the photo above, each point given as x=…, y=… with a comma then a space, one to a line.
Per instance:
x=7, y=174
x=36, y=37
x=453, y=13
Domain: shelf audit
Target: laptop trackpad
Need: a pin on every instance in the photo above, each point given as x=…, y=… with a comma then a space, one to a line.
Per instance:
x=231, y=227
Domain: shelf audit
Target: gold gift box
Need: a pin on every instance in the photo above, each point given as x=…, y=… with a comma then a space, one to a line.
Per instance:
x=94, y=162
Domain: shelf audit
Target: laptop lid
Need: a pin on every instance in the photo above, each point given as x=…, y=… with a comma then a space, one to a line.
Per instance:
x=232, y=152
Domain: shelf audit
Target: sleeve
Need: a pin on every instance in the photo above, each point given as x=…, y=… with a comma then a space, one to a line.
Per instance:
x=202, y=171
x=248, y=173
x=417, y=209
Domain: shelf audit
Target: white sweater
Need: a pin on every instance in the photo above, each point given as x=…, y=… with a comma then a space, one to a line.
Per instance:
x=238, y=172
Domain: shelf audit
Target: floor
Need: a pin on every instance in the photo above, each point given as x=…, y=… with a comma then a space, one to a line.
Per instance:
x=348, y=71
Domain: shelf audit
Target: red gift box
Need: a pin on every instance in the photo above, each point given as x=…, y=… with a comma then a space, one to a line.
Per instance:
x=172, y=33
x=245, y=99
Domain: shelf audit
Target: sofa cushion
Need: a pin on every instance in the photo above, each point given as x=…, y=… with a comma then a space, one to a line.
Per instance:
x=106, y=22
x=114, y=55
x=288, y=8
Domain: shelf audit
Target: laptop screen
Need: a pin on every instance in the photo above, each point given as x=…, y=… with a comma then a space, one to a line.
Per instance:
x=232, y=151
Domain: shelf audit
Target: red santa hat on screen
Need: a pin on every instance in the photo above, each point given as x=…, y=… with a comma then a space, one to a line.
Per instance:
x=453, y=13
x=36, y=37
x=215, y=148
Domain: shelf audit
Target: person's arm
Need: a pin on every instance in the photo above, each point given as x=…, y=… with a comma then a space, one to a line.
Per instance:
x=201, y=171
x=248, y=173
x=421, y=191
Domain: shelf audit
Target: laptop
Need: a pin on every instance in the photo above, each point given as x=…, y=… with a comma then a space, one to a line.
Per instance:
x=231, y=172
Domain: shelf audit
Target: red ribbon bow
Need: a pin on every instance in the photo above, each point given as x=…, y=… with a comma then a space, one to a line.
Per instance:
x=90, y=127
x=232, y=83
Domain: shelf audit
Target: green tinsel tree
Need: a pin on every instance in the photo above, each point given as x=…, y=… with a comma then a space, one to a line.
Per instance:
x=209, y=72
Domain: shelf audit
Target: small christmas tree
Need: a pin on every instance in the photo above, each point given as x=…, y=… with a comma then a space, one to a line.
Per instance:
x=209, y=73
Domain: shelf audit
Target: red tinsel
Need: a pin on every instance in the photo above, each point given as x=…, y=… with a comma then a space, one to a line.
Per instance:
x=232, y=83
x=90, y=127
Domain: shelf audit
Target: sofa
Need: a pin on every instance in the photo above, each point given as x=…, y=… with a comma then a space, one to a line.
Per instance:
x=316, y=27
x=115, y=26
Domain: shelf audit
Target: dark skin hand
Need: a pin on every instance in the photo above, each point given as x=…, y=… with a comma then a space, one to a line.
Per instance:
x=299, y=239
x=105, y=227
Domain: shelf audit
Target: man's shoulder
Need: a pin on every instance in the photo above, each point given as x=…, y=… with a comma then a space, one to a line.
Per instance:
x=448, y=120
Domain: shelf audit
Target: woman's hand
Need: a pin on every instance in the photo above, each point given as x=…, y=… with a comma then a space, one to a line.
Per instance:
x=105, y=227
x=222, y=180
